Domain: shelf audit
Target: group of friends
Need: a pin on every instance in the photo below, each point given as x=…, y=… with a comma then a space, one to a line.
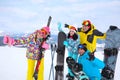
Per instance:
x=81, y=45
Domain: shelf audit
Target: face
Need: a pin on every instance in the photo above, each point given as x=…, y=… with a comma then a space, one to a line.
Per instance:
x=41, y=34
x=85, y=28
x=72, y=32
x=81, y=51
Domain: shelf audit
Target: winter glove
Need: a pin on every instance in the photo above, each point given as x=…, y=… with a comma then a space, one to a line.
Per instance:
x=59, y=27
x=5, y=39
x=79, y=29
x=8, y=40
x=91, y=57
x=45, y=46
x=66, y=26
x=65, y=43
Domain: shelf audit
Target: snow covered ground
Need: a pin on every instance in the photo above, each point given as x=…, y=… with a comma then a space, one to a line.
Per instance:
x=13, y=63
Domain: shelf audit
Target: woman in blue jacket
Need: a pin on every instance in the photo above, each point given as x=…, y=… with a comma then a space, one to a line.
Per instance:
x=91, y=64
x=71, y=43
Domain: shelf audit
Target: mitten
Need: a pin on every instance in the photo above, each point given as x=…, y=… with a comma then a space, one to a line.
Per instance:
x=8, y=40
x=91, y=57
x=5, y=39
x=45, y=46
x=66, y=26
x=59, y=27
x=65, y=43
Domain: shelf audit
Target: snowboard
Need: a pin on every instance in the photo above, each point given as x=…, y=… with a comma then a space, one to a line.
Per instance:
x=112, y=45
x=110, y=65
x=59, y=68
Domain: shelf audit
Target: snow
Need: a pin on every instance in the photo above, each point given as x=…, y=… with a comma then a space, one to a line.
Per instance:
x=13, y=63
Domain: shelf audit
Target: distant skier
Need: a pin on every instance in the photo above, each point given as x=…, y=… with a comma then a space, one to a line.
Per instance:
x=33, y=43
x=112, y=45
x=71, y=44
x=89, y=35
x=91, y=64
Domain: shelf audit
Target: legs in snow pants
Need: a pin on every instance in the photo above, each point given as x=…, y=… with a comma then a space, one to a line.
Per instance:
x=31, y=66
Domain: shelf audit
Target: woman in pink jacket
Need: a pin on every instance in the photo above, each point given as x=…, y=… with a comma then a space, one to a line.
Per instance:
x=33, y=42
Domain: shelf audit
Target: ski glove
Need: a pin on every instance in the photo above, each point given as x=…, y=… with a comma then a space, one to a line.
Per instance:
x=8, y=40
x=59, y=27
x=65, y=43
x=91, y=57
x=66, y=26
x=45, y=46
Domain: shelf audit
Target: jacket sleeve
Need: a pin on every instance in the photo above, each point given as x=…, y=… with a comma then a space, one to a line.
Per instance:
x=100, y=64
x=74, y=49
x=99, y=34
x=23, y=40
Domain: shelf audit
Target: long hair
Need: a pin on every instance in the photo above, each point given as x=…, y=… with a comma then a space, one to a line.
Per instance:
x=75, y=36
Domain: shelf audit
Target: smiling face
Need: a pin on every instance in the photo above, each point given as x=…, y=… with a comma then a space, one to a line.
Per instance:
x=86, y=25
x=85, y=28
x=72, y=32
x=81, y=51
x=41, y=34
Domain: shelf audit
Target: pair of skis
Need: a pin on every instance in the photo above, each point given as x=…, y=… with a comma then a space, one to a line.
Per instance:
x=35, y=75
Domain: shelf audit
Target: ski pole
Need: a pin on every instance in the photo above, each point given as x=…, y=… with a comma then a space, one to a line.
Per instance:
x=53, y=49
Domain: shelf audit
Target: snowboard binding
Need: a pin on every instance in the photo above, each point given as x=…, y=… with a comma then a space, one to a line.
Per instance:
x=107, y=73
x=59, y=67
x=70, y=61
x=76, y=70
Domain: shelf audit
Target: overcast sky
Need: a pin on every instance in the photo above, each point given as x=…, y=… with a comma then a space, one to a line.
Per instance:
x=29, y=15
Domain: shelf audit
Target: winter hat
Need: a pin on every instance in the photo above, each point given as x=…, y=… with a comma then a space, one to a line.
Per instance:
x=82, y=46
x=44, y=30
x=47, y=29
x=86, y=23
x=73, y=28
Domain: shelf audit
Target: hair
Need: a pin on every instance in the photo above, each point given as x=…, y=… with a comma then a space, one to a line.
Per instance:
x=75, y=36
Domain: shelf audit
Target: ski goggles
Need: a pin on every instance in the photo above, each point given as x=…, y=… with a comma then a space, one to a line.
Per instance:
x=42, y=32
x=86, y=23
